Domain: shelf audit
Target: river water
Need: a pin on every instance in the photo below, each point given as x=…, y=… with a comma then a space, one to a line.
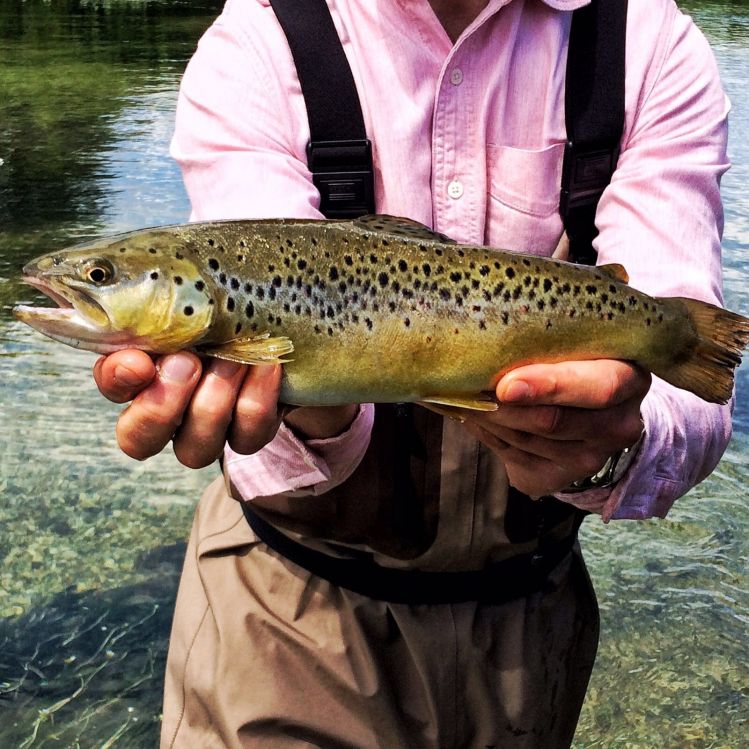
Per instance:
x=91, y=542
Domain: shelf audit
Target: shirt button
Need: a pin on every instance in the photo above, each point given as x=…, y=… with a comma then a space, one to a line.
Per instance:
x=456, y=77
x=455, y=189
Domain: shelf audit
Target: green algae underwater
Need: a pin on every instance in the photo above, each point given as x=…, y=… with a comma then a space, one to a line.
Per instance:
x=91, y=542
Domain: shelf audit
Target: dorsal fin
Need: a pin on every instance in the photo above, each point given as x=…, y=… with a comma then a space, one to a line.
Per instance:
x=402, y=227
x=616, y=271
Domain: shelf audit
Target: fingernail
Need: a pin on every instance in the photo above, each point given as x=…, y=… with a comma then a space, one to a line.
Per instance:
x=126, y=377
x=177, y=368
x=225, y=369
x=516, y=390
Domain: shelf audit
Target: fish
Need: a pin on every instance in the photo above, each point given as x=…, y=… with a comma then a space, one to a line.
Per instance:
x=375, y=309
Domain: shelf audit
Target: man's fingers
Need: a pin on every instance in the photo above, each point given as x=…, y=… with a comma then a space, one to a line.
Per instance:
x=201, y=437
x=122, y=375
x=256, y=413
x=600, y=383
x=147, y=425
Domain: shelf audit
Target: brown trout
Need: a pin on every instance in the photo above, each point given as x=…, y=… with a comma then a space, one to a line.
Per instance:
x=377, y=309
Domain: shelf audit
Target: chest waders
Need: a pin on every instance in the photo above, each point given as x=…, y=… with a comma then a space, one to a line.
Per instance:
x=408, y=440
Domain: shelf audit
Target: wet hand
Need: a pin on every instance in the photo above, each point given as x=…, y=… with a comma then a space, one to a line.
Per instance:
x=558, y=423
x=198, y=407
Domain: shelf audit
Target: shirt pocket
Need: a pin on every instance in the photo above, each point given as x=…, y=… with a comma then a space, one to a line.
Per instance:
x=523, y=204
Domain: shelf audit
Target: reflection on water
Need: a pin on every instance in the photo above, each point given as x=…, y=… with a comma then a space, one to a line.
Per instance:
x=91, y=541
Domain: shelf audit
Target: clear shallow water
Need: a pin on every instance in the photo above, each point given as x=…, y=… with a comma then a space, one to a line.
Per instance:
x=91, y=541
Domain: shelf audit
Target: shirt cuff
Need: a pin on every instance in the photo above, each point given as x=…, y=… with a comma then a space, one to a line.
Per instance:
x=305, y=467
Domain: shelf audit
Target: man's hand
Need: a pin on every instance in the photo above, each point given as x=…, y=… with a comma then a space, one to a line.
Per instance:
x=558, y=423
x=202, y=406
x=198, y=407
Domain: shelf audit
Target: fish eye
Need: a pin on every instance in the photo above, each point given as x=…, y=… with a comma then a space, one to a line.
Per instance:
x=99, y=272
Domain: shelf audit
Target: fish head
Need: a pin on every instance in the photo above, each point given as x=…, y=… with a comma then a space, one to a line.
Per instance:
x=130, y=291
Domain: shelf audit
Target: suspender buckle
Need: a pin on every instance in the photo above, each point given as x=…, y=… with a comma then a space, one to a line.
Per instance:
x=586, y=172
x=342, y=172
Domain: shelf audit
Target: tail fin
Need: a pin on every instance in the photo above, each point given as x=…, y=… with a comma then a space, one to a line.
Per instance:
x=708, y=368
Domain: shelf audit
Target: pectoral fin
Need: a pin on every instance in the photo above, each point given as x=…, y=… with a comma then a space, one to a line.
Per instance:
x=260, y=349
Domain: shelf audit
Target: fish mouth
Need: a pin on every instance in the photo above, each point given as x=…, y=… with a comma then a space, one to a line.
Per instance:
x=78, y=320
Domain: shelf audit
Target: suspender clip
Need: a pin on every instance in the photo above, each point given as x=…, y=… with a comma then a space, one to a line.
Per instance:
x=342, y=172
x=586, y=172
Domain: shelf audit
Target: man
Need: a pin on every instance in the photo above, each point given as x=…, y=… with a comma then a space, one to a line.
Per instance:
x=464, y=103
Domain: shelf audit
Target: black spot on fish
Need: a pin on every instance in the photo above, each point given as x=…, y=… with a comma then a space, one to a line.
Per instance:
x=402, y=266
x=211, y=243
x=382, y=278
x=612, y=288
x=445, y=294
x=230, y=304
x=547, y=285
x=487, y=295
x=527, y=281
x=526, y=262
x=517, y=292
x=591, y=289
x=548, y=324
x=427, y=269
x=211, y=302
x=540, y=304
x=407, y=322
x=260, y=292
x=123, y=249
x=510, y=272
x=333, y=273
x=179, y=256
x=277, y=281
x=237, y=328
x=249, y=309
x=505, y=318
x=455, y=276
x=188, y=310
x=301, y=264
x=213, y=263
x=155, y=275
x=222, y=278
x=368, y=323
x=199, y=285
x=152, y=250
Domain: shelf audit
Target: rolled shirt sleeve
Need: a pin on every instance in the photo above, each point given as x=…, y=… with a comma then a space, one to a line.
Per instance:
x=240, y=141
x=662, y=219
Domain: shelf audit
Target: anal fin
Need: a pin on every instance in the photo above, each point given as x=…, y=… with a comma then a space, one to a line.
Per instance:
x=450, y=405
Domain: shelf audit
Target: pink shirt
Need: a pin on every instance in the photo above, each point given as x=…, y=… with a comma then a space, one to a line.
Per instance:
x=468, y=139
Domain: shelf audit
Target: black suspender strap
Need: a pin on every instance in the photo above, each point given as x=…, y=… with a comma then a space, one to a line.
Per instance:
x=339, y=154
x=594, y=113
